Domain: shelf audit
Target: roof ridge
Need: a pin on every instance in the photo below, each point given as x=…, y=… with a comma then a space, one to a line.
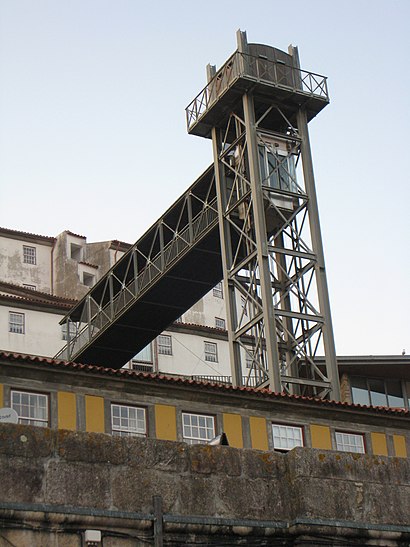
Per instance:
x=13, y=356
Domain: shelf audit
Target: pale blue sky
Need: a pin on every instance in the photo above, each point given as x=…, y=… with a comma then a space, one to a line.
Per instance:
x=93, y=138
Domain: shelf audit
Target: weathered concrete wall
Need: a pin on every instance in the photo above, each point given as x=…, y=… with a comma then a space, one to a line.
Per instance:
x=69, y=481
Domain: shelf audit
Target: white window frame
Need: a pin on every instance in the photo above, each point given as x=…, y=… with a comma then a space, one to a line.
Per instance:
x=72, y=331
x=165, y=344
x=17, y=326
x=32, y=408
x=29, y=255
x=197, y=428
x=144, y=356
x=350, y=442
x=218, y=290
x=128, y=421
x=220, y=323
x=30, y=287
x=211, y=352
x=286, y=437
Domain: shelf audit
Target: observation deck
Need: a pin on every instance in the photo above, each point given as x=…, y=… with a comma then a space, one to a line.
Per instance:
x=267, y=71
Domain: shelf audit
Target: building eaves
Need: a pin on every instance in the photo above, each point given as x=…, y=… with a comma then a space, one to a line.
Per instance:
x=68, y=232
x=19, y=290
x=88, y=264
x=8, y=232
x=33, y=302
x=203, y=385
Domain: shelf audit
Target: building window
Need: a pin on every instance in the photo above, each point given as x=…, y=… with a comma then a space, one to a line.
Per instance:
x=286, y=437
x=29, y=255
x=76, y=252
x=72, y=331
x=377, y=392
x=16, y=322
x=88, y=279
x=178, y=319
x=350, y=442
x=249, y=359
x=164, y=344
x=217, y=291
x=143, y=356
x=243, y=305
x=30, y=287
x=277, y=170
x=128, y=421
x=211, y=352
x=220, y=323
x=197, y=428
x=32, y=408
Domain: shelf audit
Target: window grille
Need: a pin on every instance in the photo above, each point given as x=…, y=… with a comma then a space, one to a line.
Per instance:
x=220, y=323
x=211, y=352
x=350, y=442
x=29, y=255
x=32, y=408
x=31, y=287
x=128, y=421
x=197, y=428
x=164, y=344
x=16, y=322
x=286, y=437
x=217, y=291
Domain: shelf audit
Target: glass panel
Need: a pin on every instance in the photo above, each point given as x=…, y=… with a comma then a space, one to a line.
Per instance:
x=360, y=393
x=377, y=392
x=144, y=355
x=394, y=393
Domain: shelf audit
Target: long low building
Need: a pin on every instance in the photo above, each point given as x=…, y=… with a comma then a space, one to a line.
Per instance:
x=111, y=463
x=64, y=395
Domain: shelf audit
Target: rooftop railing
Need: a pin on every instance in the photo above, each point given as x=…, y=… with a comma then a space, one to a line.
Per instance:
x=275, y=73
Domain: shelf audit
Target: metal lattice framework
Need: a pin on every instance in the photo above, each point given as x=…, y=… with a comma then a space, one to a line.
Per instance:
x=252, y=220
x=290, y=257
x=154, y=256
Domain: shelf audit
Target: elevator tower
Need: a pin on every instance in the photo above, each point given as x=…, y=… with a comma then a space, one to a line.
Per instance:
x=256, y=110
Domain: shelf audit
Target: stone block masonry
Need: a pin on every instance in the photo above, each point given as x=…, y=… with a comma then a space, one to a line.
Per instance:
x=56, y=484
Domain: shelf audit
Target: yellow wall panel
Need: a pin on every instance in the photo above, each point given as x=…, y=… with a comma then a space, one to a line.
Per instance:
x=259, y=435
x=399, y=442
x=1, y=396
x=166, y=422
x=379, y=444
x=233, y=429
x=94, y=414
x=67, y=412
x=320, y=435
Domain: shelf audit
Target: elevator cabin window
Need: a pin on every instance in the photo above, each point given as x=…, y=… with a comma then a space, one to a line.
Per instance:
x=277, y=170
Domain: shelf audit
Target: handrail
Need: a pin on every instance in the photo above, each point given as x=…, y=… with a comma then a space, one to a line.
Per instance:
x=153, y=269
x=260, y=69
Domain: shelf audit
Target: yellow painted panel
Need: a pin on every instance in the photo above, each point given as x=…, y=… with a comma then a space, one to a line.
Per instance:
x=166, y=422
x=259, y=435
x=67, y=412
x=379, y=444
x=233, y=429
x=94, y=414
x=321, y=438
x=399, y=442
x=1, y=396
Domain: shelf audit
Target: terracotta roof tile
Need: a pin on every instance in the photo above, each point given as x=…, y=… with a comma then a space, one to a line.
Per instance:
x=266, y=393
x=29, y=234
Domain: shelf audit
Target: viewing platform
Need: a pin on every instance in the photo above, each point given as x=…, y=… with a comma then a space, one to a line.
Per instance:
x=271, y=73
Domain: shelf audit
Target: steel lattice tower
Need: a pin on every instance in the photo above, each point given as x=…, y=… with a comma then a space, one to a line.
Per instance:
x=256, y=110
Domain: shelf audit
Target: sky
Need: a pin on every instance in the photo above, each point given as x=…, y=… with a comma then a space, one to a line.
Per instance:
x=93, y=136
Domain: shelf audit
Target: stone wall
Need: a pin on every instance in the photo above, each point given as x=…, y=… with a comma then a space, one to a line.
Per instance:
x=56, y=484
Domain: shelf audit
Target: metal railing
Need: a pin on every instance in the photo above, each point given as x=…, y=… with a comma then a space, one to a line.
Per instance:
x=154, y=268
x=276, y=73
